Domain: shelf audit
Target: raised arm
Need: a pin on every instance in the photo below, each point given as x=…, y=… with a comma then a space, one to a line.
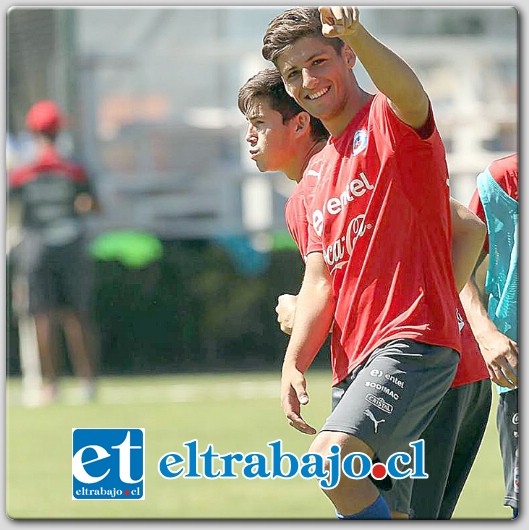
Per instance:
x=390, y=74
x=468, y=236
x=313, y=318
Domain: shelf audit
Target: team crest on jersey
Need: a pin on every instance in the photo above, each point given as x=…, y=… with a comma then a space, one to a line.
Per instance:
x=359, y=141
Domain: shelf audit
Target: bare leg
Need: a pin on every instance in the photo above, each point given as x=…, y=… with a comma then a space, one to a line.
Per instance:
x=78, y=345
x=28, y=344
x=80, y=351
x=47, y=342
x=350, y=496
x=29, y=360
x=45, y=338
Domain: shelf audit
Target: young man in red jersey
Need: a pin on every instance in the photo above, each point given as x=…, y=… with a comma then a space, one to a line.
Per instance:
x=53, y=193
x=276, y=125
x=378, y=257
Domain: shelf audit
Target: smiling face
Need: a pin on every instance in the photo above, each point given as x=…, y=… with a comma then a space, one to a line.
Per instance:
x=270, y=140
x=319, y=77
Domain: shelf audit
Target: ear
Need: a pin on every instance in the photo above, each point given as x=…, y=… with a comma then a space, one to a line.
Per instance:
x=302, y=122
x=348, y=55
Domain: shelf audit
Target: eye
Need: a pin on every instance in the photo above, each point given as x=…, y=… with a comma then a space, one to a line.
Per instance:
x=292, y=74
x=318, y=62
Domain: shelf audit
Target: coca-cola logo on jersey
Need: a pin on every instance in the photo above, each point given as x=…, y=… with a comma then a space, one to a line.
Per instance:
x=335, y=205
x=342, y=248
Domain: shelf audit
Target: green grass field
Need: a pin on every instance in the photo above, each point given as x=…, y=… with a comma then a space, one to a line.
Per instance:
x=234, y=412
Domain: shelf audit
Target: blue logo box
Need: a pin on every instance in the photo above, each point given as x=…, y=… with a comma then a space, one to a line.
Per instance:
x=108, y=464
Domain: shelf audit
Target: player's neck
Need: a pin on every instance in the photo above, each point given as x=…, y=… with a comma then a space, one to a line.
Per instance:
x=354, y=104
x=298, y=166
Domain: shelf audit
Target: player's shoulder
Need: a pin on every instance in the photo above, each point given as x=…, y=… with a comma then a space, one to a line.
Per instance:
x=297, y=192
x=18, y=176
x=74, y=168
x=313, y=172
x=506, y=164
x=295, y=205
x=505, y=172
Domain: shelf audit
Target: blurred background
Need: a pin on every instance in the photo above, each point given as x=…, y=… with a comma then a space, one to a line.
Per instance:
x=152, y=113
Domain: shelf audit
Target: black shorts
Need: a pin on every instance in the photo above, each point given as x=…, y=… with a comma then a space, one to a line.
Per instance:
x=507, y=422
x=452, y=440
x=61, y=278
x=388, y=401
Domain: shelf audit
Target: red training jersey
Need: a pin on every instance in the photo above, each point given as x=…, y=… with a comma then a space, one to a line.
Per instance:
x=471, y=366
x=49, y=160
x=296, y=219
x=47, y=189
x=296, y=213
x=380, y=215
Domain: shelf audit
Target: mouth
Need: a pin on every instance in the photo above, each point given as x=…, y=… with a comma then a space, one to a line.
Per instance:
x=253, y=153
x=318, y=95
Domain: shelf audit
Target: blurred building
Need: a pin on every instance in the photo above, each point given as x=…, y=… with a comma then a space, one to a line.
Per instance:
x=152, y=95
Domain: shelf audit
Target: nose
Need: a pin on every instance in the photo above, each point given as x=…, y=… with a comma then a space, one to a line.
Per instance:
x=251, y=137
x=309, y=81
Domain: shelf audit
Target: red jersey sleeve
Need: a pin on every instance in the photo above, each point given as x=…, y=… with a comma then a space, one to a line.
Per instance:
x=16, y=177
x=505, y=172
x=296, y=221
x=310, y=182
x=314, y=241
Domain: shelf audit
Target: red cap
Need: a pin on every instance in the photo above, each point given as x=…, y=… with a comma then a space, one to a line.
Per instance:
x=44, y=116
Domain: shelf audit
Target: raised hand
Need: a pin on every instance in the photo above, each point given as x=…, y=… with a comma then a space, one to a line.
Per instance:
x=339, y=21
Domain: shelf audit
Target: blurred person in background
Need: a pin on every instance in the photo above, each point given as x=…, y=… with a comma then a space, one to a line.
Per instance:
x=490, y=300
x=47, y=197
x=283, y=137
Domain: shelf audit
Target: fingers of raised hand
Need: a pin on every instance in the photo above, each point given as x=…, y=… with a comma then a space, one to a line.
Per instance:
x=337, y=20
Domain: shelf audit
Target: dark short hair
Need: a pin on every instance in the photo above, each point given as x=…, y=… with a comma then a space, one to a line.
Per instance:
x=268, y=85
x=290, y=26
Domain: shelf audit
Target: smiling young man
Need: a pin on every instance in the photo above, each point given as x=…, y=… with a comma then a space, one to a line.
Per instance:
x=378, y=256
x=276, y=123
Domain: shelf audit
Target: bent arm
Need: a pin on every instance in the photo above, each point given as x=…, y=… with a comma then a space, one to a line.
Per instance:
x=468, y=236
x=499, y=352
x=314, y=314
